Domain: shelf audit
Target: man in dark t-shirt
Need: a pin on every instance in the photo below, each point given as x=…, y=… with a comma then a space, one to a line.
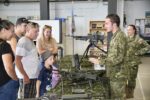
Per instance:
x=20, y=30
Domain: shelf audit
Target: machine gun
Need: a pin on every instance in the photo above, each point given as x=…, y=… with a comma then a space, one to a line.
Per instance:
x=81, y=81
x=93, y=37
x=81, y=84
x=78, y=75
x=82, y=76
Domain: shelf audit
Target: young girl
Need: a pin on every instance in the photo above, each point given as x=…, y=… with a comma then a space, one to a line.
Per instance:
x=48, y=77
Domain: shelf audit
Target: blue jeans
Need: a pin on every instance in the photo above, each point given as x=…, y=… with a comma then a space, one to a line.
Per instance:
x=9, y=90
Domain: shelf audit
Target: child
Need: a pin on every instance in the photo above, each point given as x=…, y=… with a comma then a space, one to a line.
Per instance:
x=48, y=77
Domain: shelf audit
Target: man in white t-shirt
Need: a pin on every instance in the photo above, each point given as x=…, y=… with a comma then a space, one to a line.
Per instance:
x=27, y=60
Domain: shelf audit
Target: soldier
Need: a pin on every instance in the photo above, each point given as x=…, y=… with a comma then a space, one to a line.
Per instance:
x=114, y=61
x=136, y=47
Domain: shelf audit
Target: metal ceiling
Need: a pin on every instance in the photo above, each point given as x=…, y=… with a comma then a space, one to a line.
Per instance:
x=17, y=1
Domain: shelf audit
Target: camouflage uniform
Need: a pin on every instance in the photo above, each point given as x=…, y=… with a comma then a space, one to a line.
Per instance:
x=136, y=47
x=114, y=62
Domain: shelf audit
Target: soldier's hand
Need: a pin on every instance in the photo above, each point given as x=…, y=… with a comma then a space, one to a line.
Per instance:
x=94, y=60
x=140, y=41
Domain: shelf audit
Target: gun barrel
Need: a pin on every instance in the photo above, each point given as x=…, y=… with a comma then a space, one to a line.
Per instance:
x=85, y=38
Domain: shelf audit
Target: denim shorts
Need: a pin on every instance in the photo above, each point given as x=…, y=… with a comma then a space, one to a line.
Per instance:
x=9, y=90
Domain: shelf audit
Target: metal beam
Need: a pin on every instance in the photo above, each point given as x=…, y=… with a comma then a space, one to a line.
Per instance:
x=112, y=6
x=18, y=1
x=44, y=9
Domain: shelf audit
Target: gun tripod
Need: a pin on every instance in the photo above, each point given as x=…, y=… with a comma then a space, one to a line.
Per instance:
x=92, y=44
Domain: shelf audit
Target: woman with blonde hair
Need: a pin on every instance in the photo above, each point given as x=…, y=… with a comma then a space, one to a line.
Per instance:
x=46, y=41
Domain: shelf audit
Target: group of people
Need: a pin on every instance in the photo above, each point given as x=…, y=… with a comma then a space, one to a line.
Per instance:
x=20, y=68
x=33, y=66
x=123, y=58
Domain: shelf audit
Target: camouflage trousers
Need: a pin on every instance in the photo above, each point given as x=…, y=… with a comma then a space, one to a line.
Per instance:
x=118, y=89
x=131, y=84
x=133, y=70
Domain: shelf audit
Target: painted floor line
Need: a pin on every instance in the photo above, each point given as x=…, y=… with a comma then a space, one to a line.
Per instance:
x=141, y=87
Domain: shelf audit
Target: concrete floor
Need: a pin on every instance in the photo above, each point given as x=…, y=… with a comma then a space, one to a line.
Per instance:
x=142, y=91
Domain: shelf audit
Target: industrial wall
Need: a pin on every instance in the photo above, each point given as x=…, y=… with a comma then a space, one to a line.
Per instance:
x=83, y=11
x=136, y=10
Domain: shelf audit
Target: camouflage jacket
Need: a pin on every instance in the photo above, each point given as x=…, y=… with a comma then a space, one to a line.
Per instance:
x=115, y=58
x=136, y=47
